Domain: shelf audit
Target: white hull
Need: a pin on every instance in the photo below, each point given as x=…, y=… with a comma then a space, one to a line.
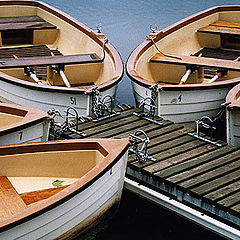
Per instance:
x=44, y=100
x=78, y=212
x=35, y=133
x=185, y=106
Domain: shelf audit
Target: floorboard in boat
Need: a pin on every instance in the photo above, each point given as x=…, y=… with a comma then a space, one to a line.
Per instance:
x=32, y=197
x=30, y=51
x=184, y=166
x=218, y=53
x=10, y=201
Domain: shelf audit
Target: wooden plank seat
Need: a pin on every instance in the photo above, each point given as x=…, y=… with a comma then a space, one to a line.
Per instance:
x=10, y=200
x=222, y=27
x=50, y=60
x=24, y=23
x=197, y=61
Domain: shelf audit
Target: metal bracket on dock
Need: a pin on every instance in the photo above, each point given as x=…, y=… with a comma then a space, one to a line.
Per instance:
x=206, y=123
x=148, y=106
x=57, y=129
x=140, y=151
x=102, y=107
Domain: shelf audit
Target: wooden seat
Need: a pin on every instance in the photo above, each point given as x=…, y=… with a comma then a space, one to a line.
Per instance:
x=197, y=61
x=222, y=27
x=10, y=201
x=50, y=60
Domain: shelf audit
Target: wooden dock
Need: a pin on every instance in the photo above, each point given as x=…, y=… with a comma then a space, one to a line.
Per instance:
x=198, y=174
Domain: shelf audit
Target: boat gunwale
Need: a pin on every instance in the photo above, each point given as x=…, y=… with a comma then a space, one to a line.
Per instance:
x=31, y=117
x=109, y=48
x=72, y=190
x=232, y=97
x=158, y=35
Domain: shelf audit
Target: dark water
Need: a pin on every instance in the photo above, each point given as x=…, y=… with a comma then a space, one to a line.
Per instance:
x=126, y=24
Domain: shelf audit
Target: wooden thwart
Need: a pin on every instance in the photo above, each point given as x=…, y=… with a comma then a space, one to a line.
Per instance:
x=197, y=61
x=50, y=60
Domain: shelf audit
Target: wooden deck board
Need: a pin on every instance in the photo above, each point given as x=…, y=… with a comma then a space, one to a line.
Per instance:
x=169, y=149
x=210, y=170
x=197, y=164
x=179, y=163
x=230, y=200
x=221, y=178
x=223, y=192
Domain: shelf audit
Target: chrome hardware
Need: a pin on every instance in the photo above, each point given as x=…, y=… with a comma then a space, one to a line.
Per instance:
x=153, y=29
x=102, y=107
x=139, y=146
x=206, y=123
x=148, y=104
x=99, y=28
x=57, y=129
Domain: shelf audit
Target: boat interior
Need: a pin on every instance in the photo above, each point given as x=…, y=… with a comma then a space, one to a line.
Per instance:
x=64, y=55
x=208, y=50
x=10, y=115
x=31, y=177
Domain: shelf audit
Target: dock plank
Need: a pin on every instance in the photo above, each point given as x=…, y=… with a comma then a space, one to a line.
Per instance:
x=197, y=165
x=210, y=170
x=182, y=162
x=224, y=191
x=121, y=129
x=170, y=149
x=222, y=178
x=230, y=200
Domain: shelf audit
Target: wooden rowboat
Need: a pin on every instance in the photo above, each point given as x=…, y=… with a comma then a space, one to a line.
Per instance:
x=233, y=116
x=51, y=60
x=22, y=124
x=59, y=189
x=194, y=63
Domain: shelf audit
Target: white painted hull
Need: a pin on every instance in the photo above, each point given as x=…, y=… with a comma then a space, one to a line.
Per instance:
x=35, y=133
x=46, y=101
x=185, y=106
x=233, y=126
x=78, y=212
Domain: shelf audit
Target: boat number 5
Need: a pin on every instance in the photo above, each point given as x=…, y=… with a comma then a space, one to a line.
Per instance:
x=180, y=98
x=73, y=100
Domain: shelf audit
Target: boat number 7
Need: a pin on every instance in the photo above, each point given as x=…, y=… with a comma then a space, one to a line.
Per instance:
x=73, y=100
x=180, y=98
x=20, y=136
